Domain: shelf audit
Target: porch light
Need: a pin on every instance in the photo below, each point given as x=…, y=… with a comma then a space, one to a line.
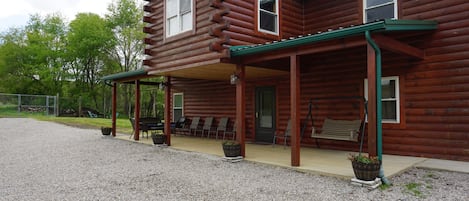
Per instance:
x=163, y=85
x=234, y=79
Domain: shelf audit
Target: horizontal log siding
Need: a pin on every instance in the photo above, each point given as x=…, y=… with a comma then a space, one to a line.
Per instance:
x=185, y=50
x=321, y=15
x=205, y=98
x=243, y=22
x=437, y=92
x=434, y=91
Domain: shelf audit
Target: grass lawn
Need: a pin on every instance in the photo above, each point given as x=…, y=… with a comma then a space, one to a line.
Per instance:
x=122, y=125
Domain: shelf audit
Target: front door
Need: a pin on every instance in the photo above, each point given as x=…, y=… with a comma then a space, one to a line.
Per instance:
x=265, y=114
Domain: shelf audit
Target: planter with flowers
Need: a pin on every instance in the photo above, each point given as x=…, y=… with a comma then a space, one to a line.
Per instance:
x=365, y=167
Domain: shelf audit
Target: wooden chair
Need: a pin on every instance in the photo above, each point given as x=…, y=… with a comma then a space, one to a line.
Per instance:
x=285, y=135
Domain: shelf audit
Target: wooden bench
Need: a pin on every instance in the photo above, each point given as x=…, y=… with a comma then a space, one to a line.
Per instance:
x=347, y=130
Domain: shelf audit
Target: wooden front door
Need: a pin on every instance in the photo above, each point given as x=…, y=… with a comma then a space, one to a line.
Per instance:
x=265, y=114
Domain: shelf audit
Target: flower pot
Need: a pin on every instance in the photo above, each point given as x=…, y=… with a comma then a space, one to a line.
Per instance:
x=158, y=139
x=366, y=172
x=106, y=130
x=232, y=150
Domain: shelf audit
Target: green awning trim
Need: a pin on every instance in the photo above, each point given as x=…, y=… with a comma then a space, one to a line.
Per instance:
x=379, y=26
x=122, y=75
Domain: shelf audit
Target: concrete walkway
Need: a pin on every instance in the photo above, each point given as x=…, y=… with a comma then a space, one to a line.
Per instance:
x=313, y=160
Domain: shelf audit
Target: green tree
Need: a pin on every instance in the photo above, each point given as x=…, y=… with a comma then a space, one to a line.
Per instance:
x=125, y=19
x=31, y=59
x=90, y=42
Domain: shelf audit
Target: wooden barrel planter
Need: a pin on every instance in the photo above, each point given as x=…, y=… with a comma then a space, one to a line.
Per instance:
x=232, y=150
x=106, y=130
x=158, y=138
x=366, y=172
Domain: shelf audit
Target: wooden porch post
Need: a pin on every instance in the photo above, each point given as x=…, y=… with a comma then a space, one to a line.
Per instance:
x=137, y=110
x=167, y=110
x=241, y=107
x=295, y=109
x=371, y=71
x=114, y=105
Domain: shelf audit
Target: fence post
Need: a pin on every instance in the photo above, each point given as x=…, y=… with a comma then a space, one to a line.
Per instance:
x=19, y=103
x=56, y=105
x=79, y=107
x=47, y=105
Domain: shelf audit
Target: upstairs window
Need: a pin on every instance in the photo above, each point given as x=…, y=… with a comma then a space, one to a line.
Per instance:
x=389, y=98
x=268, y=16
x=379, y=9
x=178, y=16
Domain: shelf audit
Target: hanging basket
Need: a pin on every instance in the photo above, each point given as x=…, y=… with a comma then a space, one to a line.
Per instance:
x=158, y=139
x=232, y=150
x=366, y=172
x=106, y=130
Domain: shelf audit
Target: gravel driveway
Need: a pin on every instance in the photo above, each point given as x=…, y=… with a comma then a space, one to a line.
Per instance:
x=50, y=161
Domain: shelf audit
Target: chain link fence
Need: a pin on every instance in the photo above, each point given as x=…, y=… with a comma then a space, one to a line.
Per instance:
x=41, y=104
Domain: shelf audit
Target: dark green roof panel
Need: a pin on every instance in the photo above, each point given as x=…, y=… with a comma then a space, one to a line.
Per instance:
x=379, y=26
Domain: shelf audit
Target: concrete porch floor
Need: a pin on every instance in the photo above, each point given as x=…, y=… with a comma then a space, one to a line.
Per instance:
x=313, y=160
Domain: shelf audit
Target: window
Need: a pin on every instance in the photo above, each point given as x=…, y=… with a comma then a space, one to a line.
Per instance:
x=178, y=104
x=178, y=16
x=379, y=9
x=389, y=98
x=268, y=16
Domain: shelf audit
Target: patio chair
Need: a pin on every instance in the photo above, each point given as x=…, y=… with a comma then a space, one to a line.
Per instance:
x=220, y=128
x=194, y=125
x=207, y=127
x=285, y=135
x=179, y=125
x=231, y=132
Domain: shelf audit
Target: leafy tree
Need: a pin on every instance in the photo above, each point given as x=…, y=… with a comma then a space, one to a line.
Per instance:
x=31, y=59
x=90, y=42
x=125, y=19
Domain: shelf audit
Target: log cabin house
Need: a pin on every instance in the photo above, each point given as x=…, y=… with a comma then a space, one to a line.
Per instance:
x=261, y=62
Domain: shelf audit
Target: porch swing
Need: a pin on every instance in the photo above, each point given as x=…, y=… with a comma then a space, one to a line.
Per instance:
x=345, y=129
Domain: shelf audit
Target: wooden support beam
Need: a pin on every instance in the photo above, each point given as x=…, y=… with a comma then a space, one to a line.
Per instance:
x=371, y=72
x=114, y=108
x=295, y=109
x=167, y=110
x=396, y=46
x=241, y=107
x=137, y=110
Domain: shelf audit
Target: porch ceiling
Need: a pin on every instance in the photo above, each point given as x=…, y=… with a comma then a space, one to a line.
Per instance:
x=222, y=71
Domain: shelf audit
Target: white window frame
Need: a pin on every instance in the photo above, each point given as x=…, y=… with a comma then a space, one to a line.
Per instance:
x=259, y=18
x=178, y=17
x=178, y=108
x=365, y=8
x=397, y=98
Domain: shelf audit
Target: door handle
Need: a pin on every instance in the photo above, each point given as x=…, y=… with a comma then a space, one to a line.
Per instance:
x=257, y=115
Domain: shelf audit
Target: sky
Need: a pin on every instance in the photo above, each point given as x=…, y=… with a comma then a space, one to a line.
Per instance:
x=15, y=13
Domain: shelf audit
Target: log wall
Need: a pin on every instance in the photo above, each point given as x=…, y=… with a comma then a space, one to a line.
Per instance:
x=434, y=91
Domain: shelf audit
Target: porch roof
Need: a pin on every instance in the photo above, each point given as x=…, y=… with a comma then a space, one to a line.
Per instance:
x=126, y=76
x=342, y=32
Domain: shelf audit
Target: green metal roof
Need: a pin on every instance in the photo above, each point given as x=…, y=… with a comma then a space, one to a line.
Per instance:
x=122, y=75
x=379, y=26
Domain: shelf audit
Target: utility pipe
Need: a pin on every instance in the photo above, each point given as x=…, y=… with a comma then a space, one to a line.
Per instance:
x=379, y=129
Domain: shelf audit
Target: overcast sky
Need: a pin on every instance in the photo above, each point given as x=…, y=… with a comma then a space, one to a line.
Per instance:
x=15, y=13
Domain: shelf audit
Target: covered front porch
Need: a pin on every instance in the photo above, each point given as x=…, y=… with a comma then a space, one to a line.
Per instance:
x=313, y=160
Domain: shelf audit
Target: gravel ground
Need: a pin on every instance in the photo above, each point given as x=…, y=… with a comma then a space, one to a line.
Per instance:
x=50, y=161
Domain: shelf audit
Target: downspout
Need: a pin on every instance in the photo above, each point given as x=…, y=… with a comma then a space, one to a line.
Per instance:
x=379, y=129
